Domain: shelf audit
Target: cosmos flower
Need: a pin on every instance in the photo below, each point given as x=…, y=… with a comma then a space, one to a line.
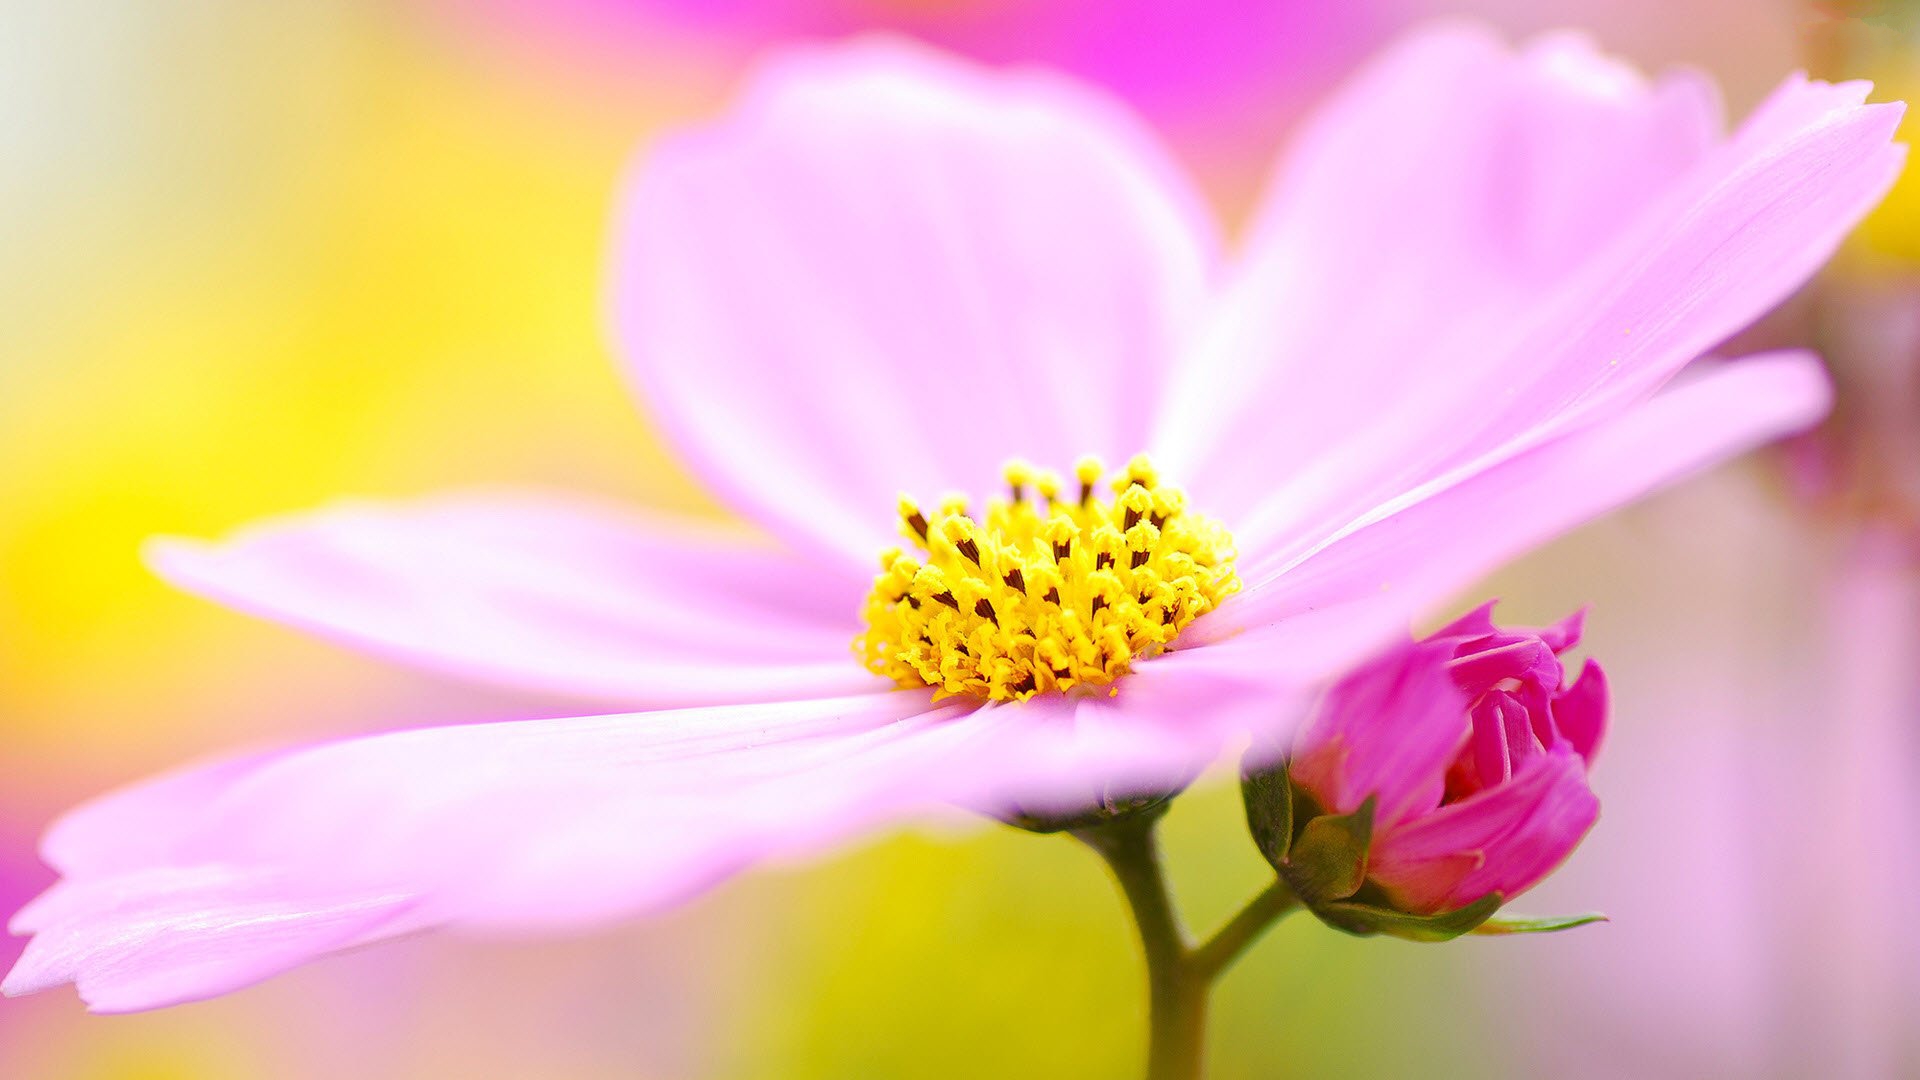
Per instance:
x=1447, y=337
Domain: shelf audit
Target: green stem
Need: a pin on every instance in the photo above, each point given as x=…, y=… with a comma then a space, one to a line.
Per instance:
x=1179, y=975
x=1230, y=941
x=1176, y=1000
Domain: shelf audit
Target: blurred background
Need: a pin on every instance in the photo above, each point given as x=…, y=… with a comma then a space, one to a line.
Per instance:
x=263, y=255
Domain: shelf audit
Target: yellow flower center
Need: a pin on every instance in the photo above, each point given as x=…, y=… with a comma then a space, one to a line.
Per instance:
x=1046, y=594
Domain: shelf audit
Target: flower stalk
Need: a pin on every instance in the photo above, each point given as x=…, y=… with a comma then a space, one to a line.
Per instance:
x=1180, y=974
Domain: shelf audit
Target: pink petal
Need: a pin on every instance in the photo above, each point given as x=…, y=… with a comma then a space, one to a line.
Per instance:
x=1503, y=839
x=1524, y=744
x=1427, y=207
x=165, y=936
x=1357, y=593
x=1508, y=656
x=522, y=824
x=1474, y=250
x=1492, y=756
x=1155, y=731
x=553, y=594
x=889, y=271
x=1580, y=712
x=200, y=883
x=1566, y=633
x=113, y=832
x=1388, y=730
x=1743, y=233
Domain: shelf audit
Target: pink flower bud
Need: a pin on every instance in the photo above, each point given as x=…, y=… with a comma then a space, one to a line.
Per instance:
x=1475, y=746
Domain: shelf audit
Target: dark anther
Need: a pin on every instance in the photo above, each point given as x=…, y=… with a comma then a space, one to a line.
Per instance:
x=1139, y=559
x=1052, y=597
x=1103, y=560
x=1159, y=521
x=970, y=549
x=985, y=610
x=917, y=521
x=1025, y=684
x=1099, y=602
x=1086, y=493
x=1017, y=580
x=1019, y=493
x=1132, y=519
x=1061, y=550
x=948, y=599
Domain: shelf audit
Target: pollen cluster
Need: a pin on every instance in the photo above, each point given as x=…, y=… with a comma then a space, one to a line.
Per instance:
x=1043, y=591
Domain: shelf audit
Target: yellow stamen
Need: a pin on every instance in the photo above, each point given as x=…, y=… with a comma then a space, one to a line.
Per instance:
x=1046, y=594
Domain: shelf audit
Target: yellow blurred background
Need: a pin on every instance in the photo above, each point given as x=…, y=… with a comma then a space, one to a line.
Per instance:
x=265, y=255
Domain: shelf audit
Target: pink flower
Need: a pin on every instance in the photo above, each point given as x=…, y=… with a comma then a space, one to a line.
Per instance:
x=1444, y=342
x=1488, y=798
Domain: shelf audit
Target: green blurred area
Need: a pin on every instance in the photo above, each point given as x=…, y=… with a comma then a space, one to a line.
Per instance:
x=1011, y=955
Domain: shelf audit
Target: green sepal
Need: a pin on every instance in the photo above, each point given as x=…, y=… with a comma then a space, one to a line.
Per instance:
x=1328, y=860
x=1268, y=795
x=1323, y=859
x=1537, y=924
x=1364, y=919
x=1320, y=856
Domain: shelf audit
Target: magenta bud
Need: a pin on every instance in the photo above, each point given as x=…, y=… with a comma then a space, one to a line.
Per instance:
x=1474, y=746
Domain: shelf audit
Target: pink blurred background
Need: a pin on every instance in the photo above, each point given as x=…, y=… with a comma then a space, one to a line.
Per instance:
x=267, y=255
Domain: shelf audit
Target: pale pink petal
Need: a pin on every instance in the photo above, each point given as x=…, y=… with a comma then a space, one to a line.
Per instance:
x=509, y=825
x=200, y=883
x=1427, y=205
x=1744, y=232
x=1157, y=729
x=1359, y=592
x=1504, y=839
x=1796, y=104
x=889, y=271
x=549, y=593
x=164, y=936
x=1474, y=250
x=113, y=832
